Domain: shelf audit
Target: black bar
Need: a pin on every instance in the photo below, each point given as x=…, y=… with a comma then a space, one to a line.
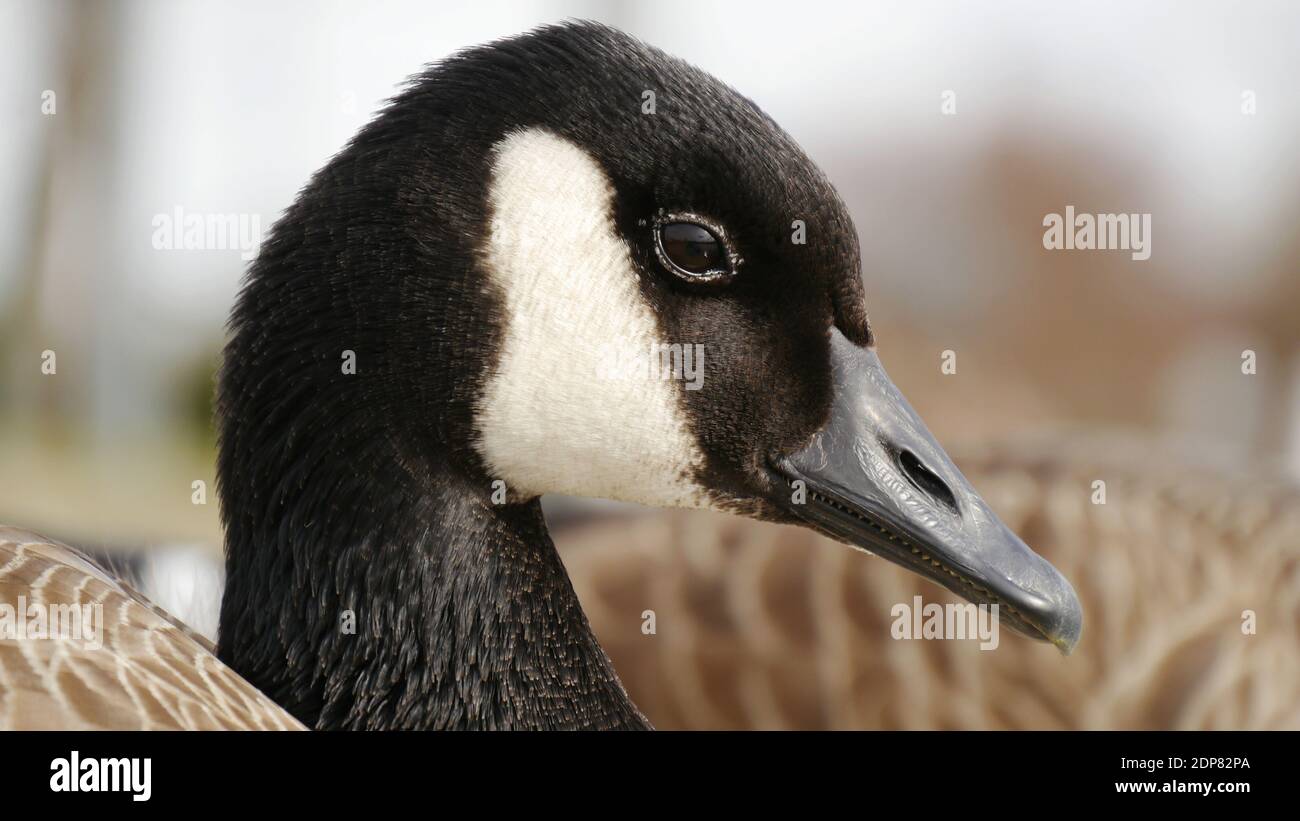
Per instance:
x=1007, y=773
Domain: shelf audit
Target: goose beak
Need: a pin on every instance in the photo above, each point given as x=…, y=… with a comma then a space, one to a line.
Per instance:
x=875, y=478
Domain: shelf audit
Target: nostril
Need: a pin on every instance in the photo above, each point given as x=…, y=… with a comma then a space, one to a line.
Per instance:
x=925, y=480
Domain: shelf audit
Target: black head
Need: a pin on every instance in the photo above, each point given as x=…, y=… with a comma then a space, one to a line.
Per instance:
x=568, y=262
x=732, y=243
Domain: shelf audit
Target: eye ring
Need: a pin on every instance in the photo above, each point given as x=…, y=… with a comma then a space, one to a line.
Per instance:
x=697, y=261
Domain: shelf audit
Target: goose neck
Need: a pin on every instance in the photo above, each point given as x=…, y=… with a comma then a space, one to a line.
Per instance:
x=416, y=605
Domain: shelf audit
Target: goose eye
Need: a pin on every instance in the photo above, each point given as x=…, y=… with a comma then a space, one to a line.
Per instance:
x=693, y=249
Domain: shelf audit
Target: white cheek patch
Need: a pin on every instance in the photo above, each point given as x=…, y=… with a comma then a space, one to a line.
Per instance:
x=553, y=418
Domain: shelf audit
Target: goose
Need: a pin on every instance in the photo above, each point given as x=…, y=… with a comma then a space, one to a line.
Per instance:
x=464, y=310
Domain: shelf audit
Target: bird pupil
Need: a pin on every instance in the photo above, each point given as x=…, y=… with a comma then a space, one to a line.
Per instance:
x=691, y=247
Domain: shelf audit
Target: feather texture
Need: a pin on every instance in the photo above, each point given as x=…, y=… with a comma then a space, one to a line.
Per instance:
x=146, y=671
x=758, y=626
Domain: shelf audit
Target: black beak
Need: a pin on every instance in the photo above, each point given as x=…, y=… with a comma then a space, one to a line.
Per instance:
x=874, y=477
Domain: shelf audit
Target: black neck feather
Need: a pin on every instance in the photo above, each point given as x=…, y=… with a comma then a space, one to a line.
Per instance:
x=396, y=601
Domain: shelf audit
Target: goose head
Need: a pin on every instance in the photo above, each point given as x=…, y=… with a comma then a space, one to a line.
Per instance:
x=569, y=263
x=683, y=324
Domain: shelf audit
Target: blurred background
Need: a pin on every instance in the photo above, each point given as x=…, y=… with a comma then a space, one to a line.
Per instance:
x=951, y=130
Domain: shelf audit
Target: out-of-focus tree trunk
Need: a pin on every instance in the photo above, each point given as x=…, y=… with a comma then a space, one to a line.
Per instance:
x=60, y=279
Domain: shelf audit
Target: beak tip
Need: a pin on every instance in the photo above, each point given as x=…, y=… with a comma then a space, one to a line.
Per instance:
x=1048, y=606
x=1067, y=642
x=1069, y=626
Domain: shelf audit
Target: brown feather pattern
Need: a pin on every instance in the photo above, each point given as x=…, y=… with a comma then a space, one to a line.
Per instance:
x=150, y=672
x=759, y=626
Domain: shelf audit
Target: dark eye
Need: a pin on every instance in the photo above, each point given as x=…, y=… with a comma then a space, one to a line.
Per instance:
x=693, y=249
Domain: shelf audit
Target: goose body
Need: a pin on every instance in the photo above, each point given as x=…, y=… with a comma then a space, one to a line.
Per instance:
x=141, y=670
x=423, y=348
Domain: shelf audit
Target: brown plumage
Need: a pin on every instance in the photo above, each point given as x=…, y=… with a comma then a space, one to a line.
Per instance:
x=774, y=627
x=150, y=672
